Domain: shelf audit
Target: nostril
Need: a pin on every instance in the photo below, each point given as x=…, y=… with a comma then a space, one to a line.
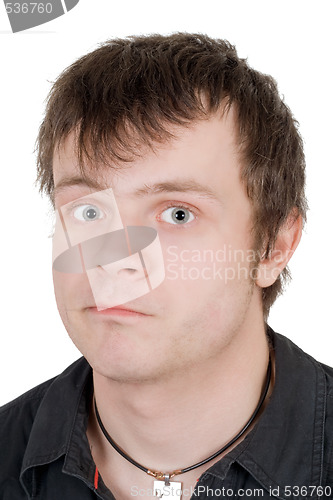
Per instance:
x=127, y=270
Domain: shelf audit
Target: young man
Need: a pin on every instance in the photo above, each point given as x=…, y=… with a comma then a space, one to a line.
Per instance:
x=177, y=176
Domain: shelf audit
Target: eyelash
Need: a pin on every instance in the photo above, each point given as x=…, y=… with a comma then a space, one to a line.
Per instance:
x=73, y=207
x=178, y=205
x=170, y=204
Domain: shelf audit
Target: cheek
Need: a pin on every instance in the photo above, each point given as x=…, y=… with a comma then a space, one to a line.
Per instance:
x=219, y=258
x=209, y=290
x=72, y=291
x=221, y=271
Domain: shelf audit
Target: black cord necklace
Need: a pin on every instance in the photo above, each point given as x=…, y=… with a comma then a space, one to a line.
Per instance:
x=167, y=476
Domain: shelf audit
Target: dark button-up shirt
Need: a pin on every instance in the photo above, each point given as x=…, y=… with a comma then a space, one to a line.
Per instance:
x=44, y=451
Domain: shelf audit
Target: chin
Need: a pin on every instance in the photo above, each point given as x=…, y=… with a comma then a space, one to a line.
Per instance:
x=130, y=368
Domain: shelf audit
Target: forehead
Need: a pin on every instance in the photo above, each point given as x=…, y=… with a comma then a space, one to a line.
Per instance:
x=206, y=151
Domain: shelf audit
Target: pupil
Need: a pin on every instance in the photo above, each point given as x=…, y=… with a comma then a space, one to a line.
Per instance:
x=180, y=215
x=91, y=213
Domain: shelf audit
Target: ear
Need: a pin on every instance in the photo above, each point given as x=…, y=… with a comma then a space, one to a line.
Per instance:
x=286, y=243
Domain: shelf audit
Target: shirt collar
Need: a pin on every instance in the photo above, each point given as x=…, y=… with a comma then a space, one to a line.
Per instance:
x=60, y=416
x=285, y=448
x=286, y=443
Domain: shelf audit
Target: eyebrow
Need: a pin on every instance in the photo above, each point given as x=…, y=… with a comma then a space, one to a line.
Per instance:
x=180, y=186
x=71, y=181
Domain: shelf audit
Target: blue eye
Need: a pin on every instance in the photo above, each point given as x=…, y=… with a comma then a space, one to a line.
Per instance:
x=88, y=213
x=177, y=215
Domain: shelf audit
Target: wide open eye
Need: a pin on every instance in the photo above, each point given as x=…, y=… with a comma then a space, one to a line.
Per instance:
x=88, y=213
x=177, y=215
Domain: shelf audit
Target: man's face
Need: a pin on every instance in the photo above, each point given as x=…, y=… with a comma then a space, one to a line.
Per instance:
x=190, y=192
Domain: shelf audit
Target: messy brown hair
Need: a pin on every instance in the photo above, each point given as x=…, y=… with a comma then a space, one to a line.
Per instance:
x=131, y=92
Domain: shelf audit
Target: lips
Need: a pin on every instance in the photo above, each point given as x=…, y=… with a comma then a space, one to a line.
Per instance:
x=120, y=308
x=115, y=310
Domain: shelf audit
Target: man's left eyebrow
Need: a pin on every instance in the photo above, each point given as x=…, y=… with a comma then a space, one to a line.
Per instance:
x=71, y=181
x=183, y=186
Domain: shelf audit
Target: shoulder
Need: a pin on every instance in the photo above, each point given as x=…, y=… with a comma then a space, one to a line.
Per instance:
x=304, y=365
x=307, y=363
x=314, y=395
x=328, y=370
x=17, y=419
x=21, y=411
x=328, y=425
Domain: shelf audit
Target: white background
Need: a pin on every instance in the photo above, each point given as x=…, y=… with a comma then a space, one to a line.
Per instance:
x=292, y=40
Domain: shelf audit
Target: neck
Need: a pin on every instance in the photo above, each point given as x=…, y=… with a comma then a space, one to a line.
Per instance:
x=145, y=418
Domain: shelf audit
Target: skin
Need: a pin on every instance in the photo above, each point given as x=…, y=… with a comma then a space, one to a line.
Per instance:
x=201, y=349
